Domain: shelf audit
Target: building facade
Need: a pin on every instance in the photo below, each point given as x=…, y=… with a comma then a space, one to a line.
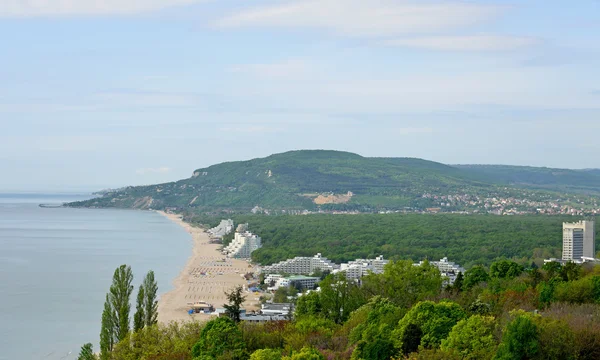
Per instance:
x=579, y=240
x=360, y=267
x=301, y=266
x=224, y=228
x=243, y=245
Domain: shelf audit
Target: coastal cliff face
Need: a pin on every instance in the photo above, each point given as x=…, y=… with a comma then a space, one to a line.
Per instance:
x=334, y=180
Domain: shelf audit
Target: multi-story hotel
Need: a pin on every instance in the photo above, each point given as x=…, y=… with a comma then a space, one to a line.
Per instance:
x=578, y=241
x=301, y=266
x=243, y=244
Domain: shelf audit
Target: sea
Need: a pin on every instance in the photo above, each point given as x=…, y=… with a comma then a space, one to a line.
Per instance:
x=56, y=266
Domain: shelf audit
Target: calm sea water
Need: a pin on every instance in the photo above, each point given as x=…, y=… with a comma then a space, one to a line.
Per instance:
x=56, y=266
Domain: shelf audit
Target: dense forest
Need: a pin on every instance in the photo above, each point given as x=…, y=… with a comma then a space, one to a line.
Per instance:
x=505, y=312
x=465, y=239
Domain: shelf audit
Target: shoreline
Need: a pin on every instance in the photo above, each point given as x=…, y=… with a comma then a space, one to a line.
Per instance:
x=205, y=277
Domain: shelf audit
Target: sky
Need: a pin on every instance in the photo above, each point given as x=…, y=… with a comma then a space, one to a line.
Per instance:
x=97, y=94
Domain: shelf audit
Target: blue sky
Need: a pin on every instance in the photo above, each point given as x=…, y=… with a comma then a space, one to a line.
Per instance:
x=101, y=94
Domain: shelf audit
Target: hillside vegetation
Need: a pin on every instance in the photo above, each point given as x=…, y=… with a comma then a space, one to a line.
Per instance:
x=587, y=181
x=347, y=181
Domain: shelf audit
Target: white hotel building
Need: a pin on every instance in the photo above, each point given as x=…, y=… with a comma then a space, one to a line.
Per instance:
x=579, y=241
x=243, y=245
x=301, y=266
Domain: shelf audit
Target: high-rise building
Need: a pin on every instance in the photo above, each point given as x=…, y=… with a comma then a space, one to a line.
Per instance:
x=579, y=240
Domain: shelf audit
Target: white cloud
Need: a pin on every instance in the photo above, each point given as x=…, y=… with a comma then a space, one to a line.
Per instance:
x=465, y=43
x=44, y=8
x=159, y=170
x=365, y=17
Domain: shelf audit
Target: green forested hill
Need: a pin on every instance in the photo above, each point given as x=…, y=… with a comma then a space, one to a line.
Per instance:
x=539, y=177
x=311, y=179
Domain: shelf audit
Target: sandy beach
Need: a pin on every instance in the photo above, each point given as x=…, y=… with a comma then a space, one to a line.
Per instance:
x=205, y=277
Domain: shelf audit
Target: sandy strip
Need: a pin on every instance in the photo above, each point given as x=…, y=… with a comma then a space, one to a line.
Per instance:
x=205, y=277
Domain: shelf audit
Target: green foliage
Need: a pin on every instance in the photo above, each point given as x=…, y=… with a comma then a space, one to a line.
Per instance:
x=466, y=239
x=107, y=331
x=474, y=276
x=575, y=292
x=307, y=353
x=552, y=269
x=570, y=271
x=236, y=299
x=309, y=304
x=266, y=354
x=339, y=297
x=150, y=299
x=173, y=341
x=458, y=282
x=434, y=320
x=382, y=317
x=377, y=349
x=373, y=335
x=281, y=295
x=220, y=336
x=404, y=284
x=87, y=352
x=473, y=338
x=138, y=317
x=119, y=296
x=520, y=339
x=505, y=269
x=269, y=335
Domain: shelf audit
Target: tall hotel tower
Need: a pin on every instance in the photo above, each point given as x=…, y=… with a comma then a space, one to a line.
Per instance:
x=578, y=240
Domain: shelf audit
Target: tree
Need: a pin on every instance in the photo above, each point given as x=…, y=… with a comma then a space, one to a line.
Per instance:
x=473, y=338
x=150, y=299
x=236, y=299
x=434, y=320
x=138, y=317
x=266, y=354
x=218, y=337
x=107, y=331
x=339, y=297
x=520, y=339
x=308, y=304
x=505, y=269
x=281, y=295
x=474, y=276
x=120, y=294
x=552, y=269
x=570, y=271
x=307, y=353
x=160, y=342
x=373, y=335
x=87, y=352
x=458, y=282
x=404, y=284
